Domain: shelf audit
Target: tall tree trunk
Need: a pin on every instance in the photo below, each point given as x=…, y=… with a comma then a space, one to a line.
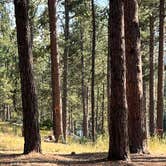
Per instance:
x=93, y=70
x=109, y=73
x=56, y=94
x=118, y=136
x=160, y=72
x=84, y=106
x=32, y=141
x=151, y=79
x=134, y=76
x=65, y=69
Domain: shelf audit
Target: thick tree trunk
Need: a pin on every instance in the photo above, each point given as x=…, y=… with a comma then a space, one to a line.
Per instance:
x=151, y=79
x=93, y=70
x=134, y=77
x=56, y=94
x=160, y=72
x=118, y=136
x=32, y=141
x=65, y=69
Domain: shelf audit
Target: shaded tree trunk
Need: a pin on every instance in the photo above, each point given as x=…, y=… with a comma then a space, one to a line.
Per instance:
x=32, y=141
x=118, y=132
x=97, y=111
x=93, y=70
x=160, y=72
x=55, y=75
x=151, y=79
x=103, y=110
x=84, y=106
x=144, y=112
x=134, y=77
x=65, y=69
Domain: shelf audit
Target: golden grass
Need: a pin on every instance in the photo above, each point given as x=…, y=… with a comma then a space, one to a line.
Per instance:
x=157, y=146
x=11, y=141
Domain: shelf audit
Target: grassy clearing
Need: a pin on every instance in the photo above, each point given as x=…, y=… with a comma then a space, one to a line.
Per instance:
x=11, y=141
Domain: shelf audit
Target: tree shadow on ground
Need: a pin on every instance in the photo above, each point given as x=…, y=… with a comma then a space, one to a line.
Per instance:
x=88, y=159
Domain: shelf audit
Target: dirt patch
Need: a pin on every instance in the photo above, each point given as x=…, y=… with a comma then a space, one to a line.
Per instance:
x=85, y=159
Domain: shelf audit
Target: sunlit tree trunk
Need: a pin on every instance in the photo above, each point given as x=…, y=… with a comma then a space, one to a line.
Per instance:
x=55, y=75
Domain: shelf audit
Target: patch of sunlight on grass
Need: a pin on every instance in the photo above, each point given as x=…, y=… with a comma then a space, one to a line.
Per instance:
x=157, y=146
x=75, y=147
x=11, y=140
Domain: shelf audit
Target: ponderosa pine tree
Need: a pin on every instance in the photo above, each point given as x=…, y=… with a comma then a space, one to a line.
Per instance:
x=118, y=114
x=65, y=68
x=160, y=89
x=84, y=90
x=93, y=70
x=55, y=75
x=32, y=141
x=134, y=77
x=151, y=78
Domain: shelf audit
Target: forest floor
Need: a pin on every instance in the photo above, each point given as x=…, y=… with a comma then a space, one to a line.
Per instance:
x=84, y=159
x=86, y=154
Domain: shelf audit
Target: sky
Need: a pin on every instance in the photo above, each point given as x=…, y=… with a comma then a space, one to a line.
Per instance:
x=102, y=2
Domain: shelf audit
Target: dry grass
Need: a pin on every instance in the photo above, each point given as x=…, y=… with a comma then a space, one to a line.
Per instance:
x=11, y=147
x=11, y=140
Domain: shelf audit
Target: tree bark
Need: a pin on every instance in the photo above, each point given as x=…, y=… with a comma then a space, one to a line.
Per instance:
x=151, y=79
x=134, y=77
x=32, y=141
x=118, y=132
x=144, y=112
x=65, y=69
x=97, y=111
x=84, y=93
x=93, y=70
x=160, y=72
x=55, y=75
x=103, y=110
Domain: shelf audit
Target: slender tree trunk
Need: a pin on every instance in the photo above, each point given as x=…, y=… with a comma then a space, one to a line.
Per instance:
x=134, y=76
x=144, y=112
x=56, y=94
x=151, y=79
x=65, y=69
x=93, y=70
x=160, y=72
x=97, y=111
x=87, y=109
x=32, y=141
x=118, y=136
x=109, y=73
x=84, y=106
x=103, y=110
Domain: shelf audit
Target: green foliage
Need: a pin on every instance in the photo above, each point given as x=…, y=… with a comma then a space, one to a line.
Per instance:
x=46, y=124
